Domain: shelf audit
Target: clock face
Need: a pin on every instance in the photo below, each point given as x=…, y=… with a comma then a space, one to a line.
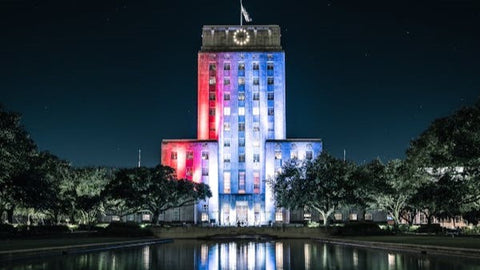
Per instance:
x=241, y=37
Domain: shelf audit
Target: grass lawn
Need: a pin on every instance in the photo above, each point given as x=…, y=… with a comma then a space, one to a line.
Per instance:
x=445, y=241
x=56, y=242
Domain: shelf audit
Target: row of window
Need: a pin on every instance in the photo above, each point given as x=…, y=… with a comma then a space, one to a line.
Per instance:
x=241, y=111
x=241, y=66
x=241, y=158
x=241, y=81
x=241, y=182
x=241, y=96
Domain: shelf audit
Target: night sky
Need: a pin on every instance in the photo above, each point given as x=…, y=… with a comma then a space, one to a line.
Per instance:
x=96, y=80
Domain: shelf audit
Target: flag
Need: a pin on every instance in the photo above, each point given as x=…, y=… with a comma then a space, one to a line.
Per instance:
x=245, y=15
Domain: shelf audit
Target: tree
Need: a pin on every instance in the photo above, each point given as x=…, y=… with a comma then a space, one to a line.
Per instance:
x=154, y=189
x=449, y=152
x=394, y=185
x=85, y=191
x=41, y=187
x=322, y=185
x=16, y=149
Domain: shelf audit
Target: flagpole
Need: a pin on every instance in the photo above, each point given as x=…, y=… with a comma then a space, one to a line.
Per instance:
x=241, y=18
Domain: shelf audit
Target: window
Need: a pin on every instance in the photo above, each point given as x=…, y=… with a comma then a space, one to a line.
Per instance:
x=241, y=81
x=270, y=96
x=205, y=171
x=269, y=66
x=226, y=126
x=211, y=96
x=241, y=182
x=212, y=81
x=226, y=66
x=188, y=172
x=256, y=66
x=270, y=81
x=241, y=158
x=256, y=96
x=368, y=216
x=226, y=157
x=173, y=155
x=226, y=111
x=338, y=216
x=226, y=81
x=256, y=182
x=353, y=216
x=226, y=143
x=241, y=142
x=293, y=154
x=256, y=81
x=241, y=66
x=226, y=182
x=241, y=96
x=241, y=126
x=241, y=110
x=189, y=154
x=226, y=96
x=211, y=111
x=256, y=158
x=309, y=155
x=256, y=127
x=278, y=154
x=270, y=126
x=270, y=111
x=279, y=216
x=212, y=67
x=256, y=111
x=205, y=155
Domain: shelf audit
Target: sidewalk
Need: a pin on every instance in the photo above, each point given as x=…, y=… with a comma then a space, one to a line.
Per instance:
x=410, y=248
x=18, y=254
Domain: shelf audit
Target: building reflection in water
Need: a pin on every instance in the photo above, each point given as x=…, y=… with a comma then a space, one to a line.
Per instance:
x=306, y=251
x=146, y=257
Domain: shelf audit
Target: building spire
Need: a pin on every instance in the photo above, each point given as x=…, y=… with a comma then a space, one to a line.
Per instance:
x=139, y=157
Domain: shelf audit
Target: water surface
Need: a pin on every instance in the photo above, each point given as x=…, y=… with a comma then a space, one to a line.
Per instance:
x=284, y=254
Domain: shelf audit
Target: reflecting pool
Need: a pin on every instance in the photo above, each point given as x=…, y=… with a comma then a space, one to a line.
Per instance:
x=284, y=254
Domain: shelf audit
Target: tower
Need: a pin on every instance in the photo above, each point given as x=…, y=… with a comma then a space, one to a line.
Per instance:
x=241, y=137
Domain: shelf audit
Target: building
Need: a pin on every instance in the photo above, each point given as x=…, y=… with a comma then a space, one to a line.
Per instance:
x=241, y=139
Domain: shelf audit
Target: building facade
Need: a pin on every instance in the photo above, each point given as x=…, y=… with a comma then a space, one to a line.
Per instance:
x=241, y=138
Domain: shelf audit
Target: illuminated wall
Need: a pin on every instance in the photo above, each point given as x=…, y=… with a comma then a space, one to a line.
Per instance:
x=241, y=110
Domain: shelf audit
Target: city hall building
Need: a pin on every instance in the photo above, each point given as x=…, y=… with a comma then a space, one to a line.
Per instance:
x=241, y=139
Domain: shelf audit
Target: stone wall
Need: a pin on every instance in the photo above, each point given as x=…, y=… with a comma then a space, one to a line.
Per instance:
x=199, y=232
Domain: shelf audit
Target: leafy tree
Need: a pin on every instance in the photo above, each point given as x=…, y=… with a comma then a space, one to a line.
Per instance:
x=84, y=192
x=154, y=189
x=394, y=185
x=449, y=152
x=322, y=185
x=40, y=187
x=16, y=149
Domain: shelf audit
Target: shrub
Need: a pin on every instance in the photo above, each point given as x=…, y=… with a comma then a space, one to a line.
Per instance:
x=126, y=229
x=7, y=230
x=358, y=228
x=432, y=228
x=474, y=230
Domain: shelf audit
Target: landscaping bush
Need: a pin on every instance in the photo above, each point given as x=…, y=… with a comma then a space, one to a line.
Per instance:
x=48, y=229
x=475, y=230
x=358, y=228
x=432, y=228
x=126, y=229
x=7, y=230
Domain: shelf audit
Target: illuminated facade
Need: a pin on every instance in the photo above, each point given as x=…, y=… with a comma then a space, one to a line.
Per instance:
x=241, y=139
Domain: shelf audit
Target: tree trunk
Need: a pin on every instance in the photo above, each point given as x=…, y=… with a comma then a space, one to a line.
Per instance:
x=156, y=216
x=10, y=214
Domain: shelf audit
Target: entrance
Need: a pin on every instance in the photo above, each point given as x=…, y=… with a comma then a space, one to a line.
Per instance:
x=242, y=212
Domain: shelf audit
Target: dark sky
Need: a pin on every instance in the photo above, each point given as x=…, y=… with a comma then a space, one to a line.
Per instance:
x=96, y=80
